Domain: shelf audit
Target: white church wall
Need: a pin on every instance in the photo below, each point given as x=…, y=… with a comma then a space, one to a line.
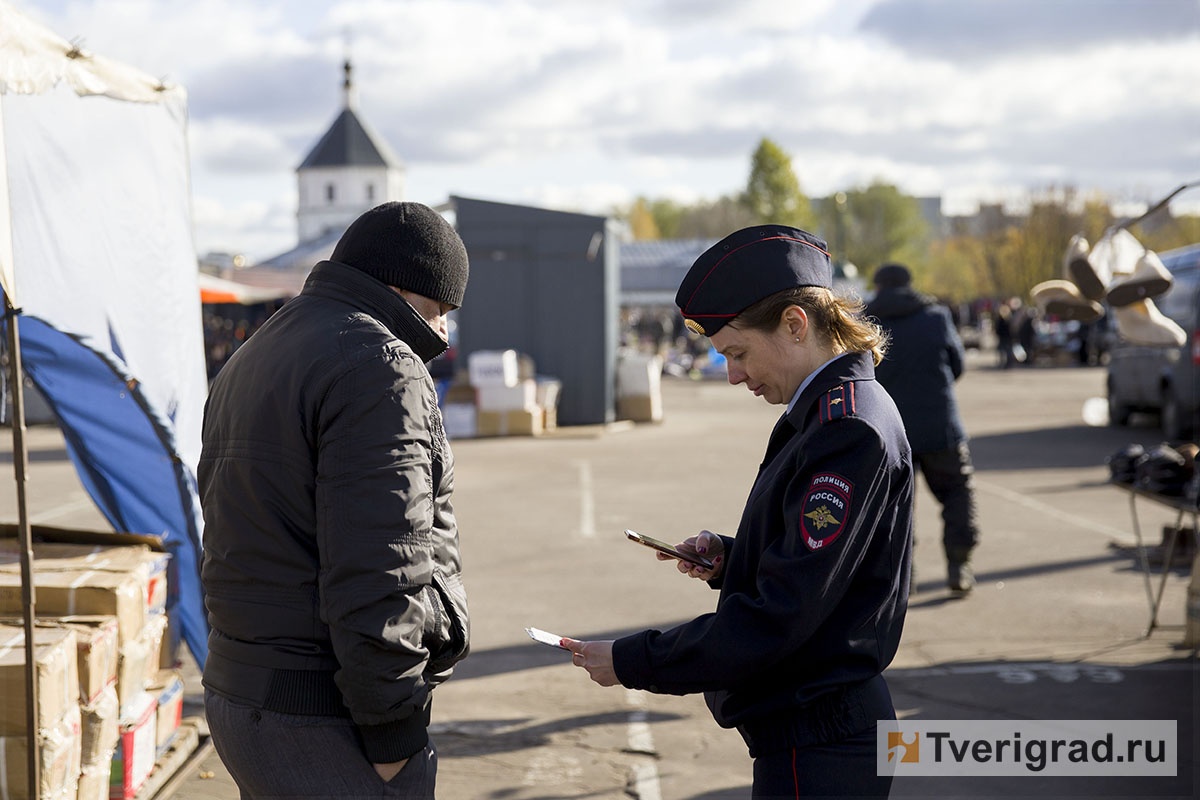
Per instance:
x=333, y=197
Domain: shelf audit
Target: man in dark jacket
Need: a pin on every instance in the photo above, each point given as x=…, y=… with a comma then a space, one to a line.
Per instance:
x=922, y=363
x=331, y=562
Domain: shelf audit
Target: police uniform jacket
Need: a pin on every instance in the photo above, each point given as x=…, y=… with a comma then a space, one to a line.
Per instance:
x=815, y=585
x=924, y=359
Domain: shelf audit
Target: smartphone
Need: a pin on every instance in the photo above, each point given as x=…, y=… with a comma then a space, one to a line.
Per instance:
x=663, y=547
x=542, y=637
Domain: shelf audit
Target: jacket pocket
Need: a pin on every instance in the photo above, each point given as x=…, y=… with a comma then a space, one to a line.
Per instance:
x=455, y=637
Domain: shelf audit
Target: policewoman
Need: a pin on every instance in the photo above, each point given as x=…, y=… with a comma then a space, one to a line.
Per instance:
x=814, y=585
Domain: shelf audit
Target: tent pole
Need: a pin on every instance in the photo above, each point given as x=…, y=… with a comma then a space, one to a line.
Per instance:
x=25, y=543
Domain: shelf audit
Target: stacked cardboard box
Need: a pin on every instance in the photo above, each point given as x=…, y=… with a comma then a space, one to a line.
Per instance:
x=458, y=411
x=134, y=758
x=111, y=600
x=167, y=688
x=639, y=387
x=58, y=725
x=510, y=400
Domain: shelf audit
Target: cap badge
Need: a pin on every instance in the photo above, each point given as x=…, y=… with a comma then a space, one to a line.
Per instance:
x=694, y=327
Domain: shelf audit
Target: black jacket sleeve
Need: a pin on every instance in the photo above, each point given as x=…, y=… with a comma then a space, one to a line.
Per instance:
x=374, y=495
x=955, y=355
x=796, y=588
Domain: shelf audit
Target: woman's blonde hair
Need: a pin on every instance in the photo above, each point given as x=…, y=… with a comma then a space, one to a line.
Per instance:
x=836, y=319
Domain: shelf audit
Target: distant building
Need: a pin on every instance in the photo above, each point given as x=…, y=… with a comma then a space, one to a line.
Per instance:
x=990, y=218
x=652, y=270
x=350, y=170
x=931, y=212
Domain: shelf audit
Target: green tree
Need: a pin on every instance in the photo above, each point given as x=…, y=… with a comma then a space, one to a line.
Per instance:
x=955, y=270
x=714, y=220
x=773, y=191
x=874, y=225
x=667, y=215
x=1175, y=232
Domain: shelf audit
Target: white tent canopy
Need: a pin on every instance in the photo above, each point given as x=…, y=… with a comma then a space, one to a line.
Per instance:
x=96, y=252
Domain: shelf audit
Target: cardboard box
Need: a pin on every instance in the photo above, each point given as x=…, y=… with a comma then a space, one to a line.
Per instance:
x=460, y=394
x=135, y=755
x=639, y=375
x=640, y=408
x=93, y=780
x=138, y=662
x=548, y=390
x=99, y=727
x=58, y=747
x=458, y=420
x=526, y=369
x=493, y=368
x=138, y=559
x=96, y=649
x=96, y=646
x=58, y=680
x=509, y=423
x=172, y=639
x=153, y=635
x=167, y=688
x=150, y=566
x=70, y=593
x=522, y=395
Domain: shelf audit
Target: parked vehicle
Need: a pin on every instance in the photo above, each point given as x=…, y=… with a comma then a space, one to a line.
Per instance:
x=1164, y=380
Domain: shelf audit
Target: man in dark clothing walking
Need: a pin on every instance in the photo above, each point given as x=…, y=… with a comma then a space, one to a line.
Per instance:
x=923, y=361
x=331, y=559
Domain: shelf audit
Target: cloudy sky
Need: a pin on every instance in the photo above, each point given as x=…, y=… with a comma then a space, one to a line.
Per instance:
x=583, y=105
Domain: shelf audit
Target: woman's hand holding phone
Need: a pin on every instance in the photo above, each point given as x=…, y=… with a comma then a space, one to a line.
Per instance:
x=705, y=543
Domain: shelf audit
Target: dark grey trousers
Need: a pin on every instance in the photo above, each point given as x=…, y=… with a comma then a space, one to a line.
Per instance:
x=950, y=475
x=281, y=756
x=841, y=769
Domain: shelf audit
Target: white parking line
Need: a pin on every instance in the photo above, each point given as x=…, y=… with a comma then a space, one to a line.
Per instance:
x=587, y=501
x=643, y=779
x=1044, y=509
x=62, y=510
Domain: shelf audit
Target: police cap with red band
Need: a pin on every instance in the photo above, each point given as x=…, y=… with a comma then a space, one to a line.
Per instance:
x=746, y=266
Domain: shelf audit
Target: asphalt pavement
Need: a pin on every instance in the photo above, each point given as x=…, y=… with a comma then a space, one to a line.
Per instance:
x=1054, y=629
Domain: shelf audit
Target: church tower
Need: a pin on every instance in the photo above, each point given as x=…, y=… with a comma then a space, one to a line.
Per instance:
x=350, y=170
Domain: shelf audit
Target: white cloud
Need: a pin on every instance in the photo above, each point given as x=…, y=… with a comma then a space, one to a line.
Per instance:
x=588, y=104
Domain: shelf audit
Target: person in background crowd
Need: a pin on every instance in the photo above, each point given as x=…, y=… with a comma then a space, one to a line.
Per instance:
x=1003, y=323
x=925, y=357
x=331, y=561
x=814, y=586
x=1027, y=336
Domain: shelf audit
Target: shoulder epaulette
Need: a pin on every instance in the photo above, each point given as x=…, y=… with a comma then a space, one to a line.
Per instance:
x=838, y=402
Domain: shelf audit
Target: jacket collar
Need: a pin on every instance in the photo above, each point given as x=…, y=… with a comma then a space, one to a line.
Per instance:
x=848, y=367
x=899, y=302
x=339, y=281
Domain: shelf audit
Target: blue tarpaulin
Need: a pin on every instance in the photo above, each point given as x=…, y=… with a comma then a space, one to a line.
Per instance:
x=124, y=453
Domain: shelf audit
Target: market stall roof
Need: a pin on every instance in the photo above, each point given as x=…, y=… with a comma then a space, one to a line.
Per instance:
x=219, y=290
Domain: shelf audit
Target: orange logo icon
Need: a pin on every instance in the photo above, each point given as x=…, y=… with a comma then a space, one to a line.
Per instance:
x=912, y=750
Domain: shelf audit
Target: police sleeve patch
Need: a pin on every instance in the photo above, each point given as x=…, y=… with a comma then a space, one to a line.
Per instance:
x=824, y=510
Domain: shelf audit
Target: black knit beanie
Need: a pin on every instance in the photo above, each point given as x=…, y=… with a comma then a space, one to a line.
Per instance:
x=892, y=276
x=409, y=246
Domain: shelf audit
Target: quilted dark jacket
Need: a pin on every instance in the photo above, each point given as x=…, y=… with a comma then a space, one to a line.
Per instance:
x=331, y=561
